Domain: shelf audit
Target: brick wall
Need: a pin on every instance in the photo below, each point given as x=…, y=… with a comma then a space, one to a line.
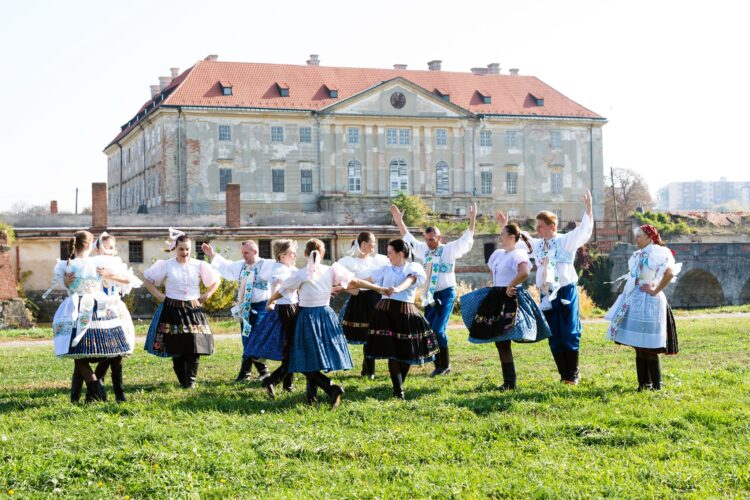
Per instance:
x=7, y=277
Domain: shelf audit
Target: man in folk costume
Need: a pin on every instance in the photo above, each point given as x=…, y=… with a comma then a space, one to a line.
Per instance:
x=557, y=279
x=252, y=296
x=440, y=289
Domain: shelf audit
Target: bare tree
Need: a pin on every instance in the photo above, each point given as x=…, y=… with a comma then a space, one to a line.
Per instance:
x=23, y=208
x=630, y=191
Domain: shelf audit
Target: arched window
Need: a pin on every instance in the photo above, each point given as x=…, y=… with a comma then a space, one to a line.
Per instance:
x=399, y=177
x=441, y=178
x=355, y=176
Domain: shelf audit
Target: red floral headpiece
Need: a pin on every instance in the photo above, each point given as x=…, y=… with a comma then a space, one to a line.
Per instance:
x=652, y=233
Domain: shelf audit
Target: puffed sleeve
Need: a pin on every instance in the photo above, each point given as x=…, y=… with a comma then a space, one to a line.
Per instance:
x=420, y=248
x=117, y=266
x=341, y=275
x=378, y=275
x=209, y=275
x=519, y=257
x=228, y=270
x=348, y=262
x=381, y=261
x=267, y=269
x=661, y=259
x=416, y=270
x=460, y=247
x=576, y=238
x=280, y=273
x=157, y=272
x=293, y=282
x=493, y=258
x=58, y=277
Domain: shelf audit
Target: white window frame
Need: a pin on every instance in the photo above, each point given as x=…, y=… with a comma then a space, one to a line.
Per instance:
x=304, y=175
x=307, y=132
x=276, y=172
x=399, y=176
x=277, y=133
x=354, y=171
x=486, y=182
x=555, y=139
x=391, y=136
x=225, y=132
x=442, y=179
x=485, y=138
x=353, y=135
x=511, y=182
x=556, y=182
x=441, y=137
x=511, y=139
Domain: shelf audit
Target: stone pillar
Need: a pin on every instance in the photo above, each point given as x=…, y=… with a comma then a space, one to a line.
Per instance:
x=53, y=207
x=7, y=277
x=99, y=205
x=234, y=218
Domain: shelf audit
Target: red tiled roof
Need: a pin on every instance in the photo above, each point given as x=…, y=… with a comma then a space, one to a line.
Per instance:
x=254, y=85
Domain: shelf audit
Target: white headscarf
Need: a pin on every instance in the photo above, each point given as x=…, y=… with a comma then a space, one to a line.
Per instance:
x=354, y=251
x=101, y=238
x=173, y=235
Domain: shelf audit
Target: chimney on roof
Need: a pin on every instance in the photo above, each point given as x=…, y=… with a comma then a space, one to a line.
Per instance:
x=211, y=57
x=174, y=72
x=313, y=61
x=163, y=82
x=155, y=90
x=514, y=71
x=53, y=207
x=493, y=69
x=434, y=65
x=399, y=66
x=234, y=218
x=479, y=71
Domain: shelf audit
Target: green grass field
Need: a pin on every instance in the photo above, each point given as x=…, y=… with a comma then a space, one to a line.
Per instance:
x=453, y=437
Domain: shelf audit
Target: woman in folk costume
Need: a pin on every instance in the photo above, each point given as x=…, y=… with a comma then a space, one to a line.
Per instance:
x=86, y=326
x=641, y=317
x=557, y=279
x=318, y=344
x=252, y=295
x=181, y=328
x=506, y=311
x=356, y=314
x=439, y=294
x=105, y=245
x=398, y=331
x=272, y=336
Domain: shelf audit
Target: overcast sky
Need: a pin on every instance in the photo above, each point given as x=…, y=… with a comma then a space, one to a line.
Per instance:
x=670, y=76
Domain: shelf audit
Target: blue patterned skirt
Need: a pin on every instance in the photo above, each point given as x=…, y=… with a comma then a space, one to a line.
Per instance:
x=492, y=316
x=268, y=338
x=151, y=335
x=318, y=343
x=105, y=338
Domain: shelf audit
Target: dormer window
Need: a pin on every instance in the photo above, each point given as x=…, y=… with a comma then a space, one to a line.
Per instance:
x=333, y=91
x=486, y=97
x=443, y=94
x=226, y=88
x=538, y=99
x=283, y=89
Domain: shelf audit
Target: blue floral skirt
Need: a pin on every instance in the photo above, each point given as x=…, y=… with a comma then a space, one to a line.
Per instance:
x=492, y=316
x=268, y=338
x=104, y=338
x=318, y=343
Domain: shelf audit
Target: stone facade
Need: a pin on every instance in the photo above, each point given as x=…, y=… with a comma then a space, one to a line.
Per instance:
x=351, y=157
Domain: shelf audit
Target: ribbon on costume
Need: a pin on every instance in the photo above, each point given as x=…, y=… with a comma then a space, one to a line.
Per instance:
x=173, y=235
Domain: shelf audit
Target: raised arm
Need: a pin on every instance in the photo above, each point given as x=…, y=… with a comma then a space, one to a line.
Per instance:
x=501, y=219
x=398, y=219
x=472, y=217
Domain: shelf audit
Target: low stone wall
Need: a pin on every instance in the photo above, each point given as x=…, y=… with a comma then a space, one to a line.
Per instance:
x=13, y=314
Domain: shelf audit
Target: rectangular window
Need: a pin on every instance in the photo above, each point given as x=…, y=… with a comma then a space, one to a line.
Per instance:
x=264, y=249
x=487, y=182
x=353, y=135
x=277, y=134
x=441, y=137
x=277, y=180
x=305, y=134
x=305, y=181
x=489, y=248
x=64, y=250
x=511, y=182
x=383, y=246
x=199, y=251
x=485, y=138
x=355, y=176
x=225, y=133
x=225, y=177
x=135, y=252
x=512, y=213
x=555, y=140
x=556, y=181
x=404, y=136
x=329, y=253
x=511, y=139
x=391, y=135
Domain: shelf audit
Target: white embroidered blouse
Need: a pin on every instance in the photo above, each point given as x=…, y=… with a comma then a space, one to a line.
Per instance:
x=315, y=288
x=182, y=281
x=450, y=254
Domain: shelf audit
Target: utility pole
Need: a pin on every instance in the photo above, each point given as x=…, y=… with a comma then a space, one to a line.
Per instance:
x=76, y=201
x=614, y=201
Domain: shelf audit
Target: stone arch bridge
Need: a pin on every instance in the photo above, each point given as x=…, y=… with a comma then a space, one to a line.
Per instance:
x=713, y=274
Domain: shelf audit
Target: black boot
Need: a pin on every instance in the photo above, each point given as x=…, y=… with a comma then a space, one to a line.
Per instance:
x=191, y=370
x=562, y=367
x=397, y=382
x=245, y=369
x=76, y=384
x=117, y=383
x=446, y=360
x=371, y=368
x=263, y=371
x=438, y=363
x=509, y=377
x=644, y=378
x=334, y=392
x=288, y=382
x=178, y=365
x=95, y=392
x=311, y=390
x=654, y=370
x=404, y=371
x=573, y=376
